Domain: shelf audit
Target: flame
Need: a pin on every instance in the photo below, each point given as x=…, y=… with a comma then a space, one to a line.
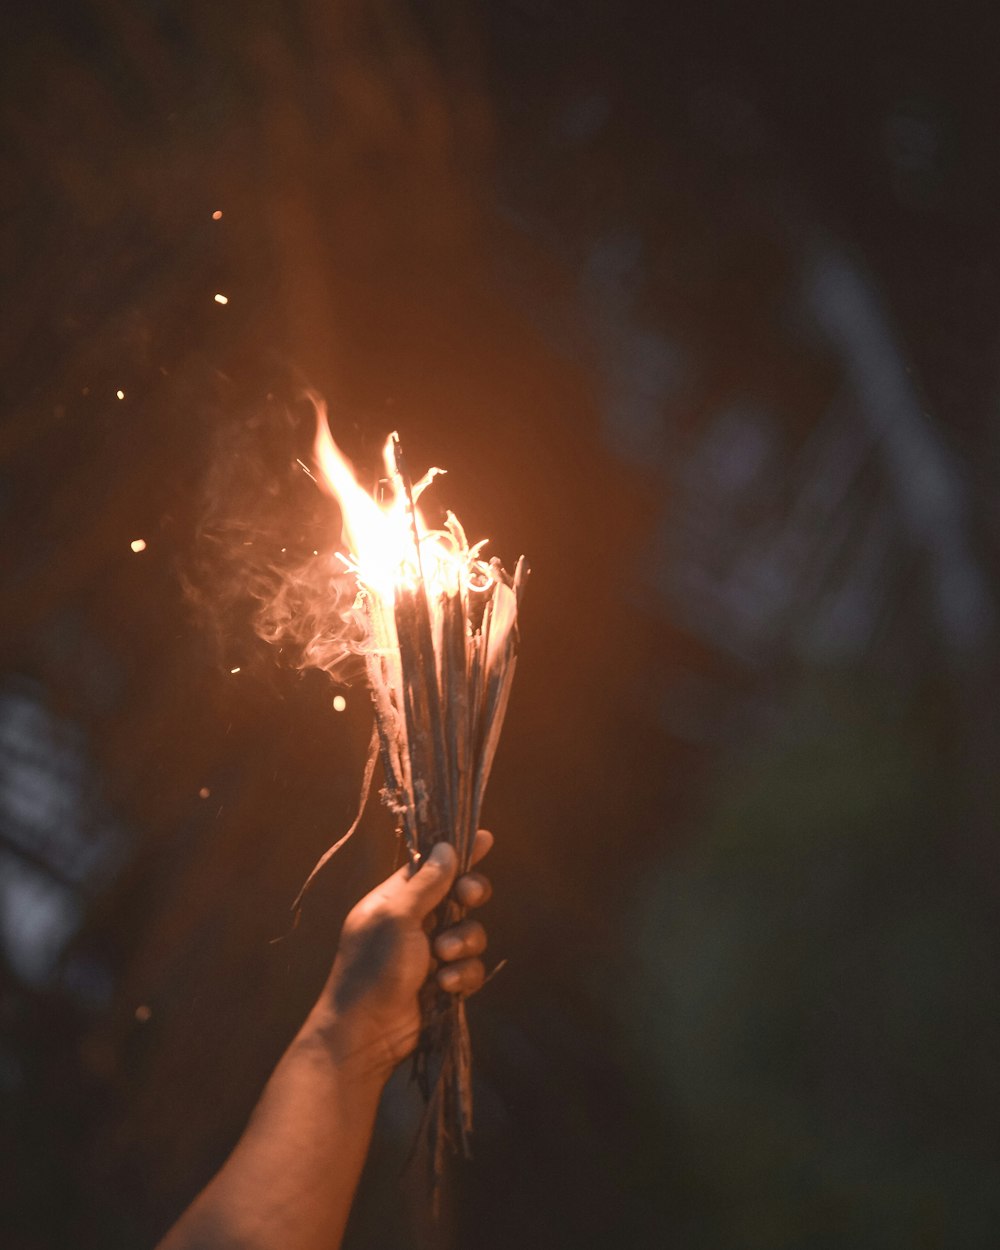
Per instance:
x=390, y=544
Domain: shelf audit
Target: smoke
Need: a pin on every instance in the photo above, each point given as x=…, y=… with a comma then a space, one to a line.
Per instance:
x=264, y=562
x=308, y=612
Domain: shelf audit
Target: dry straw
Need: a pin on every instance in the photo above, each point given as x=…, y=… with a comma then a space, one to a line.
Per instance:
x=440, y=654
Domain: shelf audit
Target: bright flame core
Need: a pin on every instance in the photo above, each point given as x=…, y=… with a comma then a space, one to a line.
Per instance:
x=390, y=544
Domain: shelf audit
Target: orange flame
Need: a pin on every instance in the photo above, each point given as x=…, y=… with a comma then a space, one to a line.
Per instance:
x=390, y=544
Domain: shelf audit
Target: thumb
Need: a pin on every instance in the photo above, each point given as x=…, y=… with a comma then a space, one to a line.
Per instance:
x=432, y=880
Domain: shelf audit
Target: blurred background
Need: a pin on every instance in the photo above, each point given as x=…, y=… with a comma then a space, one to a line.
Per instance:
x=699, y=304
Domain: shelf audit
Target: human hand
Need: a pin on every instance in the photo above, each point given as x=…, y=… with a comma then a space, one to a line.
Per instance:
x=369, y=1009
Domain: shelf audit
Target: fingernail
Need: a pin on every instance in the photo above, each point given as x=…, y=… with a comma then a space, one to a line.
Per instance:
x=441, y=854
x=450, y=980
x=450, y=946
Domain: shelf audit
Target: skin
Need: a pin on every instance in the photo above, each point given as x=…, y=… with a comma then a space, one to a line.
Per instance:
x=291, y=1178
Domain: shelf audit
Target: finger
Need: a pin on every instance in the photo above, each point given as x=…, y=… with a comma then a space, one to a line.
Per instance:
x=466, y=938
x=481, y=845
x=473, y=889
x=422, y=892
x=465, y=977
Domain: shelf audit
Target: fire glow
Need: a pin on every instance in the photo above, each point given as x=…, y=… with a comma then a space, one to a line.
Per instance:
x=441, y=639
x=391, y=546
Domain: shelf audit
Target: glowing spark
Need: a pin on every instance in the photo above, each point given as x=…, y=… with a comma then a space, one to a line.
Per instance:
x=143, y=1013
x=235, y=670
x=217, y=215
x=221, y=299
x=120, y=394
x=339, y=703
x=305, y=469
x=204, y=792
x=138, y=544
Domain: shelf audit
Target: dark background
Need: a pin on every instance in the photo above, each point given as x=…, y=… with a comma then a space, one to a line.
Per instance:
x=699, y=305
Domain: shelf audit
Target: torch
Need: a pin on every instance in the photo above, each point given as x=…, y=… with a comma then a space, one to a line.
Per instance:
x=439, y=627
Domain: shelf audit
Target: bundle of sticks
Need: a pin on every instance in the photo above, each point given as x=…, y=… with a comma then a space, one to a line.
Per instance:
x=440, y=653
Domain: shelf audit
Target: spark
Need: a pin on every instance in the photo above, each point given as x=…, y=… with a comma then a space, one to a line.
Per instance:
x=235, y=670
x=143, y=1013
x=305, y=469
x=339, y=703
x=221, y=299
x=138, y=544
x=120, y=394
x=204, y=792
x=217, y=215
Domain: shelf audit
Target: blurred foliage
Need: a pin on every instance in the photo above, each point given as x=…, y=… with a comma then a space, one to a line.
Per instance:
x=814, y=994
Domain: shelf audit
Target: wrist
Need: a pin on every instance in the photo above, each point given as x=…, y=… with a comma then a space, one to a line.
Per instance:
x=365, y=1056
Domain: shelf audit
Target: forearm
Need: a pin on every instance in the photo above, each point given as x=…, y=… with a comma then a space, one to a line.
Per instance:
x=290, y=1181
x=292, y=1176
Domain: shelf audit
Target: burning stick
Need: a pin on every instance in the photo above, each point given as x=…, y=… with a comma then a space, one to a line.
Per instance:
x=441, y=648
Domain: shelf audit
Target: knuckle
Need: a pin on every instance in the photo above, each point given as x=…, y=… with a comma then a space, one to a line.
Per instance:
x=466, y=938
x=463, y=978
x=475, y=889
x=370, y=915
x=450, y=979
x=355, y=921
x=447, y=946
